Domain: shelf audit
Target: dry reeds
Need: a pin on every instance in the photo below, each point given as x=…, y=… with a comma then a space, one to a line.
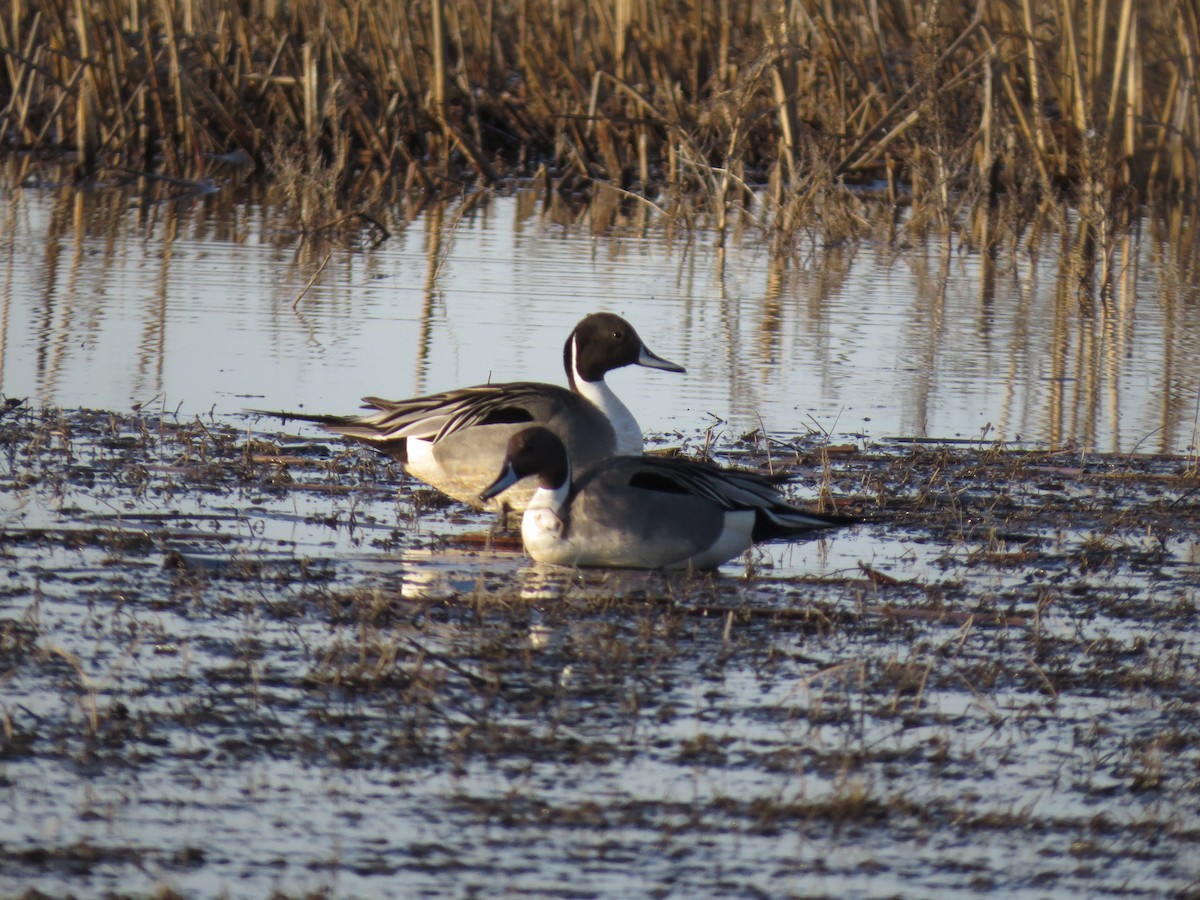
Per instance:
x=1089, y=101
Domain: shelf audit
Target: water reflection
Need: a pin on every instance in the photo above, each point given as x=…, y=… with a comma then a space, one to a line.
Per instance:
x=112, y=298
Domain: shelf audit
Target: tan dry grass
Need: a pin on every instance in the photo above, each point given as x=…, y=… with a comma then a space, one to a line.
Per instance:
x=1090, y=101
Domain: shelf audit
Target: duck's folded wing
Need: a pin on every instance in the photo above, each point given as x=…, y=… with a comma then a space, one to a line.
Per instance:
x=436, y=416
x=732, y=491
x=727, y=488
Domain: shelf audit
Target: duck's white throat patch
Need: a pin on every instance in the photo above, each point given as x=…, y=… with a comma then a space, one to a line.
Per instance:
x=599, y=394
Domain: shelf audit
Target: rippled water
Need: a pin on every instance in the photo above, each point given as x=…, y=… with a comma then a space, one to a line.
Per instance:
x=109, y=301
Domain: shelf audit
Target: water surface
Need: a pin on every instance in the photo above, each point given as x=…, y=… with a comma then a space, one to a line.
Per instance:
x=231, y=666
x=110, y=300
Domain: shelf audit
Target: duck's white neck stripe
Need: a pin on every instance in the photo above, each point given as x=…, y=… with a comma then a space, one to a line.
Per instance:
x=599, y=394
x=550, y=498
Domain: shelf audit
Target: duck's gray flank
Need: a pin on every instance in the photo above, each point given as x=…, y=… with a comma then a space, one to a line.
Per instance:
x=644, y=512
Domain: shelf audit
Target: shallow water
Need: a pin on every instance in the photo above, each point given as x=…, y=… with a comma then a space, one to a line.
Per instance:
x=231, y=668
x=222, y=681
x=110, y=299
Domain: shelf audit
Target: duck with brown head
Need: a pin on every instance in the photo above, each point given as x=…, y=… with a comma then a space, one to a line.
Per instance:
x=455, y=440
x=644, y=512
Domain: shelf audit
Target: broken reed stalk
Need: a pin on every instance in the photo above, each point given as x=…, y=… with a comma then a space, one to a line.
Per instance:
x=175, y=78
x=1073, y=75
x=1035, y=94
x=310, y=93
x=87, y=133
x=1133, y=96
x=438, y=88
x=1124, y=29
x=783, y=82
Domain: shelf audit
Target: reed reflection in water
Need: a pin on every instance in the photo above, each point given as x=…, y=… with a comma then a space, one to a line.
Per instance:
x=211, y=303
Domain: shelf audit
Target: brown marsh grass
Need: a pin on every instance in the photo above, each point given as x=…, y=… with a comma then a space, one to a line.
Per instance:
x=1092, y=102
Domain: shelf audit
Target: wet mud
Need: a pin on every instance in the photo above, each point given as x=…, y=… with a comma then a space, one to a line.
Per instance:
x=237, y=660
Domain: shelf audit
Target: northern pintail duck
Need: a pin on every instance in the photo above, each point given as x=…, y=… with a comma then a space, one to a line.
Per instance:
x=644, y=512
x=456, y=440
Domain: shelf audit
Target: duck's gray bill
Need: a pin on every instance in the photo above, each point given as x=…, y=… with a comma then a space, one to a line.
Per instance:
x=652, y=360
x=506, y=480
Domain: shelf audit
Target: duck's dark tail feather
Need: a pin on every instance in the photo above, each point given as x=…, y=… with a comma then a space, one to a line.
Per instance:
x=347, y=426
x=783, y=521
x=285, y=416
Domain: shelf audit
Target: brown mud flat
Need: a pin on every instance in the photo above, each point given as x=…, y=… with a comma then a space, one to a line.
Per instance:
x=238, y=660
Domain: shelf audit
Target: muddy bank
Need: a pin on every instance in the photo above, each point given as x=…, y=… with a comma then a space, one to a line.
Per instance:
x=237, y=660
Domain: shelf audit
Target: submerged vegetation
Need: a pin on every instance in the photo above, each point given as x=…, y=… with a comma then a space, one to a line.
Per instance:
x=949, y=107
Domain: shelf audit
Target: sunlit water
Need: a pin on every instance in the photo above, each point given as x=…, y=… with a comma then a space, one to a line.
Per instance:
x=191, y=304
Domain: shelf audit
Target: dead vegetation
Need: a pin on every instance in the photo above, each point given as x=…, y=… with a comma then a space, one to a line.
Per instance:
x=1006, y=104
x=255, y=626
